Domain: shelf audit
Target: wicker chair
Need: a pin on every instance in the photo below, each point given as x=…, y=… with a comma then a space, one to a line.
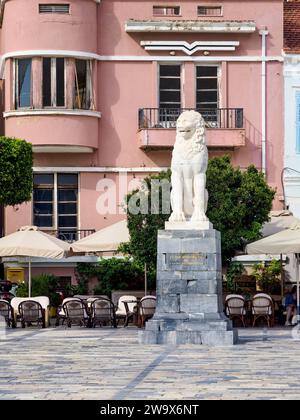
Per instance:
x=103, y=312
x=126, y=308
x=76, y=313
x=6, y=312
x=31, y=311
x=60, y=313
x=146, y=309
x=235, y=307
x=263, y=307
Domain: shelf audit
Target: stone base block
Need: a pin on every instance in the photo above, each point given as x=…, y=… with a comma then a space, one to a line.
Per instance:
x=188, y=225
x=176, y=337
x=175, y=331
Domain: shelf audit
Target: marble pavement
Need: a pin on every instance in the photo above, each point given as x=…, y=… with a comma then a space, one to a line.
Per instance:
x=104, y=363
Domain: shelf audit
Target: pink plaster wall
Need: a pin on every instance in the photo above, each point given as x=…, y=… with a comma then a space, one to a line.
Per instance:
x=93, y=186
x=124, y=87
x=16, y=217
x=25, y=29
x=164, y=138
x=113, y=40
x=54, y=130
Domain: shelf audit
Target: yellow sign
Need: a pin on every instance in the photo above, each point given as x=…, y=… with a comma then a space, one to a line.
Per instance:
x=15, y=275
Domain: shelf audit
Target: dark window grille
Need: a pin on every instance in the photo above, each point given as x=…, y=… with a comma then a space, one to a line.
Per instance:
x=54, y=8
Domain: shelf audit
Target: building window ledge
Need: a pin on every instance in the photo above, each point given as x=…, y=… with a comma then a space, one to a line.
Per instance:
x=58, y=111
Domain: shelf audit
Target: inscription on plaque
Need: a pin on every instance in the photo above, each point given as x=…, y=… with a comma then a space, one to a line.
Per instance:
x=186, y=260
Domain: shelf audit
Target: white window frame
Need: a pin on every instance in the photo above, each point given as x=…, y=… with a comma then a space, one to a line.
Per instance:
x=53, y=84
x=219, y=76
x=55, y=201
x=181, y=80
x=210, y=6
x=89, y=84
x=165, y=8
x=16, y=93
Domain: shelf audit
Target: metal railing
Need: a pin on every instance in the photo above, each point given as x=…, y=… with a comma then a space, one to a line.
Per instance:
x=71, y=235
x=218, y=118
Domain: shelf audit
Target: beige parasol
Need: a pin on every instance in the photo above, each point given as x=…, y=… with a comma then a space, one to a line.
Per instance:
x=28, y=241
x=285, y=242
x=106, y=240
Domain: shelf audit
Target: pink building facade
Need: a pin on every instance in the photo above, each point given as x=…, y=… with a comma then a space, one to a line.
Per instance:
x=96, y=87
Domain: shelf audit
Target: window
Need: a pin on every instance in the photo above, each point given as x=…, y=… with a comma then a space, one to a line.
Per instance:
x=169, y=86
x=43, y=200
x=166, y=10
x=53, y=82
x=207, y=87
x=23, y=83
x=82, y=84
x=210, y=11
x=54, y=8
x=207, y=93
x=67, y=197
x=298, y=122
x=169, y=95
x=55, y=203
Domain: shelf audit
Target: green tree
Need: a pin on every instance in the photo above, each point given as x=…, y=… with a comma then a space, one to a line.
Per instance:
x=112, y=274
x=16, y=161
x=239, y=203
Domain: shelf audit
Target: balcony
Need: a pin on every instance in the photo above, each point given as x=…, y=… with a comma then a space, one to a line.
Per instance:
x=71, y=235
x=55, y=130
x=225, y=127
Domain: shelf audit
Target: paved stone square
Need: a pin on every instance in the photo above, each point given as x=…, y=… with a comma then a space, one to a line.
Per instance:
x=103, y=363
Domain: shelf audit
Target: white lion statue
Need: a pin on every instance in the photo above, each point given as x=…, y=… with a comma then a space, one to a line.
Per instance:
x=189, y=164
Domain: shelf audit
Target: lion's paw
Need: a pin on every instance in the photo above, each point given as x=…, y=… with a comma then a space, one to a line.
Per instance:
x=199, y=216
x=177, y=217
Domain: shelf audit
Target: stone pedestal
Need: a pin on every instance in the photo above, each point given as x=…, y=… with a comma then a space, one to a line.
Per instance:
x=189, y=291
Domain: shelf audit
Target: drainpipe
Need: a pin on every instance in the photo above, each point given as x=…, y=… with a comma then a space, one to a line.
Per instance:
x=264, y=33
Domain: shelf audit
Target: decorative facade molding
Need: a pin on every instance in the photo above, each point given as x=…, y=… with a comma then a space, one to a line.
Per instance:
x=190, y=26
x=190, y=48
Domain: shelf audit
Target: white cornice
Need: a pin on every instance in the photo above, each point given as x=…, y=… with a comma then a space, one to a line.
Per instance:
x=61, y=149
x=103, y=169
x=192, y=26
x=58, y=111
x=133, y=58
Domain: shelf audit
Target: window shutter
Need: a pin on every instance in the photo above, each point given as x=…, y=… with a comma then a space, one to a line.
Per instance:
x=54, y=8
x=298, y=122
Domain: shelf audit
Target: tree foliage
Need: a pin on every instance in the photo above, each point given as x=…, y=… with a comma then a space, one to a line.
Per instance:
x=112, y=274
x=42, y=285
x=16, y=161
x=239, y=203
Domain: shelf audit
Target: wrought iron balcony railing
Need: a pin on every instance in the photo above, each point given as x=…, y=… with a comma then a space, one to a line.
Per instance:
x=71, y=235
x=218, y=118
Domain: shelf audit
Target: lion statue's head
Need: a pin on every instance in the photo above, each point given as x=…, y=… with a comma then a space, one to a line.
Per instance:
x=190, y=126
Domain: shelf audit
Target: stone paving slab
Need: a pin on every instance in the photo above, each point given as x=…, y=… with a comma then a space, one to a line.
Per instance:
x=104, y=363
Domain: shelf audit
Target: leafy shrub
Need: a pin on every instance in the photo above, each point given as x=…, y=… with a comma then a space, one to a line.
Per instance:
x=112, y=274
x=42, y=285
x=268, y=275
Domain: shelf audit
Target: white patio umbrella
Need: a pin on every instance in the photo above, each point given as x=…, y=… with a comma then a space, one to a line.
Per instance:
x=30, y=242
x=106, y=240
x=285, y=242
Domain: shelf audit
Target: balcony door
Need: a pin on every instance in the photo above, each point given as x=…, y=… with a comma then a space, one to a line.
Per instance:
x=207, y=93
x=169, y=95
